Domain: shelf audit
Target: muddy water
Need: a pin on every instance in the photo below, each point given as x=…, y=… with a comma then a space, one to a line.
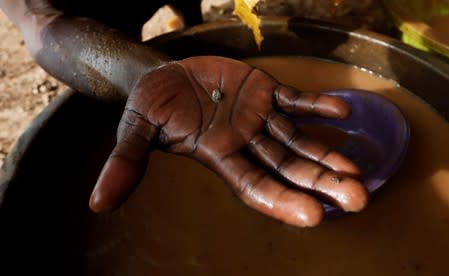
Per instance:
x=183, y=220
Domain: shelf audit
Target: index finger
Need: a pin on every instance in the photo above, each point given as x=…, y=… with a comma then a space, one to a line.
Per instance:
x=296, y=103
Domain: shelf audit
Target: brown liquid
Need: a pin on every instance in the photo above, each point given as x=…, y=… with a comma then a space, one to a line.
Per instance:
x=183, y=220
x=330, y=136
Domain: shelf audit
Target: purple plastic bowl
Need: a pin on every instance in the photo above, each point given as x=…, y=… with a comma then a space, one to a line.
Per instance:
x=378, y=137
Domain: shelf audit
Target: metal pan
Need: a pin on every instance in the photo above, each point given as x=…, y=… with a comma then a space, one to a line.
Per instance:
x=47, y=178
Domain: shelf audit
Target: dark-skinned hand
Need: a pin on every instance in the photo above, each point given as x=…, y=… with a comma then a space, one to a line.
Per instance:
x=172, y=109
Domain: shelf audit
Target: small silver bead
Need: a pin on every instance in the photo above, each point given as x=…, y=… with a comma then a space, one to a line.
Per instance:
x=217, y=96
x=336, y=180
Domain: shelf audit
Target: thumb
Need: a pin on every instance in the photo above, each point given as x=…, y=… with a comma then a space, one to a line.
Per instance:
x=127, y=163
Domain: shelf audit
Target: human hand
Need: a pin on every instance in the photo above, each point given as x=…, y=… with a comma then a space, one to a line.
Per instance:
x=244, y=137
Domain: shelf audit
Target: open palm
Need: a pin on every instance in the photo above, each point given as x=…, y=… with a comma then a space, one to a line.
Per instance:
x=231, y=117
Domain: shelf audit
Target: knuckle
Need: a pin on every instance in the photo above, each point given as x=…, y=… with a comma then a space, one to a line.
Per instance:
x=293, y=137
x=257, y=140
x=248, y=182
x=325, y=154
x=284, y=163
x=134, y=126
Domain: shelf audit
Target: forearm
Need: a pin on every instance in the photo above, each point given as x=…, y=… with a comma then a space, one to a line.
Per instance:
x=93, y=58
x=86, y=55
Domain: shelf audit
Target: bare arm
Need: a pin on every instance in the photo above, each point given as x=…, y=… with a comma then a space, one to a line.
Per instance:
x=86, y=55
x=171, y=106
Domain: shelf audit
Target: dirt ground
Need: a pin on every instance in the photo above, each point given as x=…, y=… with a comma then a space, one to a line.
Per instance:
x=25, y=89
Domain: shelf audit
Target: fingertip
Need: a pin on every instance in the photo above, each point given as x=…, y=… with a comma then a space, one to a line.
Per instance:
x=305, y=211
x=102, y=196
x=342, y=191
x=351, y=195
x=333, y=106
x=314, y=215
x=97, y=203
x=358, y=198
x=352, y=170
x=341, y=164
x=116, y=182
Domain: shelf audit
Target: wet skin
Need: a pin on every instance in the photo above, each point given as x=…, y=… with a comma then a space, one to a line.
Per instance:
x=244, y=137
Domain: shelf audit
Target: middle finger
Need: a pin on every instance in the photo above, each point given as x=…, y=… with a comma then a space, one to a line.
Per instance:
x=342, y=191
x=286, y=133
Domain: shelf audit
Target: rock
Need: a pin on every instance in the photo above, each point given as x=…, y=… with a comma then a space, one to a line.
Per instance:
x=164, y=20
x=46, y=98
x=43, y=88
x=2, y=158
x=53, y=86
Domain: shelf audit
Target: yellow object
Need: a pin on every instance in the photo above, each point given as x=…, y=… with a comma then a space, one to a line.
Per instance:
x=424, y=23
x=244, y=10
